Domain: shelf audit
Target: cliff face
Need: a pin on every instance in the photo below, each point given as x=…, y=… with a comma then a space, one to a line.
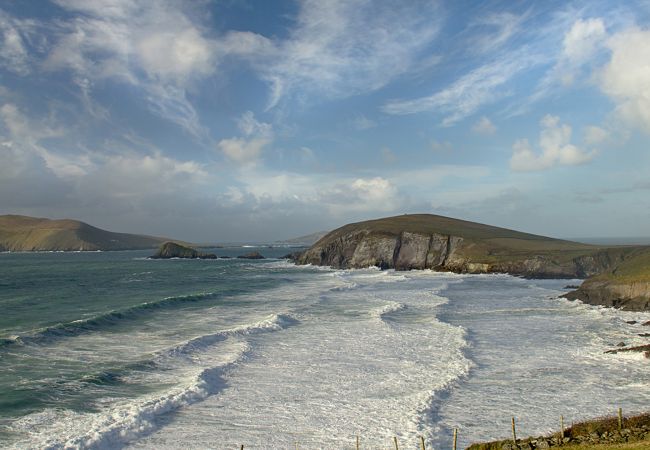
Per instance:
x=631, y=296
x=407, y=250
x=625, y=284
x=365, y=248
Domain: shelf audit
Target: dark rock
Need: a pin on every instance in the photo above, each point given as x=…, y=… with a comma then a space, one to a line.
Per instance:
x=571, y=286
x=173, y=250
x=621, y=344
x=646, y=324
x=293, y=256
x=631, y=322
x=639, y=349
x=251, y=255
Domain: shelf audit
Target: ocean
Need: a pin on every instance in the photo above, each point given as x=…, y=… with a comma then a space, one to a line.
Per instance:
x=114, y=350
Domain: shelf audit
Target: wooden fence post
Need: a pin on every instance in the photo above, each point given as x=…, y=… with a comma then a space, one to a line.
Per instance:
x=514, y=434
x=455, y=437
x=561, y=427
x=395, y=440
x=422, y=446
x=357, y=442
x=620, y=419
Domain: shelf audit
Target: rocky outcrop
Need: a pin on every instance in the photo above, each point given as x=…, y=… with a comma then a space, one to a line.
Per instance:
x=173, y=250
x=251, y=255
x=365, y=248
x=631, y=296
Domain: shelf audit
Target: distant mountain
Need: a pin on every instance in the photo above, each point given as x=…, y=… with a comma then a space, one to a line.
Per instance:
x=23, y=233
x=309, y=239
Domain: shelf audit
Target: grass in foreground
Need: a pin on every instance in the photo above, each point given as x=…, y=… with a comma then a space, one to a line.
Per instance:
x=601, y=433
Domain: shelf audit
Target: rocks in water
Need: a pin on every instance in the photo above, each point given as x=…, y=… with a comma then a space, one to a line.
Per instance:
x=571, y=286
x=638, y=349
x=631, y=322
x=174, y=250
x=644, y=334
x=293, y=256
x=646, y=324
x=251, y=255
x=621, y=344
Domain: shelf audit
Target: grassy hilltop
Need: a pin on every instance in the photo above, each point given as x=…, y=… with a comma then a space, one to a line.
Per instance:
x=23, y=233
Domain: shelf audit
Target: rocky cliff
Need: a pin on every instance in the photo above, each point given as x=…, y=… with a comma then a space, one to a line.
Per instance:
x=625, y=284
x=425, y=241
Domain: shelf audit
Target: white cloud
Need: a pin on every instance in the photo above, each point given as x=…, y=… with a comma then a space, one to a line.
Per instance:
x=341, y=48
x=243, y=151
x=484, y=126
x=13, y=53
x=247, y=150
x=583, y=40
x=555, y=145
x=361, y=122
x=176, y=54
x=250, y=126
x=500, y=28
x=138, y=176
x=626, y=77
x=160, y=47
x=595, y=135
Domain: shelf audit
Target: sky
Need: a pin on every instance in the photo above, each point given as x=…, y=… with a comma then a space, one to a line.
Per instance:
x=227, y=120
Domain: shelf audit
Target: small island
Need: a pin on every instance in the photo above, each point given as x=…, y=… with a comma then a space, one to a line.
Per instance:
x=251, y=255
x=174, y=250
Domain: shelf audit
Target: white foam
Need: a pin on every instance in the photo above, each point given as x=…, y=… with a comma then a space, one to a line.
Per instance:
x=124, y=421
x=338, y=373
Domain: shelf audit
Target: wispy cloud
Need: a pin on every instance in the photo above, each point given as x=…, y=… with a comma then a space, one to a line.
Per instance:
x=484, y=126
x=343, y=48
x=467, y=94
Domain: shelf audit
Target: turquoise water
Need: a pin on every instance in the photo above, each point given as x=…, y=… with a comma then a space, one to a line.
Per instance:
x=49, y=299
x=114, y=350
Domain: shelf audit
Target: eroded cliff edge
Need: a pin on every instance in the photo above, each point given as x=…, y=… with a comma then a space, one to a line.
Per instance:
x=424, y=241
x=624, y=285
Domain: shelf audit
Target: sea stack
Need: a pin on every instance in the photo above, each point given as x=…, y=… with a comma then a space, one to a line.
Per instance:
x=174, y=250
x=251, y=255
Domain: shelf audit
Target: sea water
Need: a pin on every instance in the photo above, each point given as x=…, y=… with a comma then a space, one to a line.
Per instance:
x=114, y=350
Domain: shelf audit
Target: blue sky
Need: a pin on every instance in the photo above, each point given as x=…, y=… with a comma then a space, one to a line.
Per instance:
x=255, y=120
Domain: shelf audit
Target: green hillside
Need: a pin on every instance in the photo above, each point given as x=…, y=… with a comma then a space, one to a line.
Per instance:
x=427, y=241
x=23, y=233
x=634, y=268
x=485, y=243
